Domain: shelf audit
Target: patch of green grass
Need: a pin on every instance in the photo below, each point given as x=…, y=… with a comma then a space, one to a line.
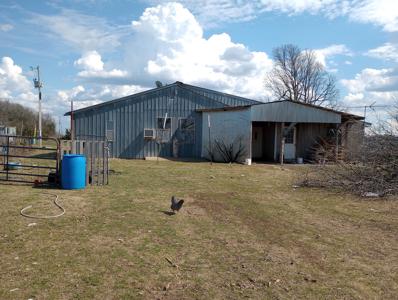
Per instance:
x=243, y=232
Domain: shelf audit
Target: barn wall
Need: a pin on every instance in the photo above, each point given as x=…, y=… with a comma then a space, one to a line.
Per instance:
x=307, y=135
x=132, y=114
x=230, y=127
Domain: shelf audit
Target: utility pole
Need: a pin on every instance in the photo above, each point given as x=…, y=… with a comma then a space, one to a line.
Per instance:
x=38, y=85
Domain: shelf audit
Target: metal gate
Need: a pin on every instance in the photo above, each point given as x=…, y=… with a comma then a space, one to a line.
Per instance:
x=23, y=160
x=96, y=153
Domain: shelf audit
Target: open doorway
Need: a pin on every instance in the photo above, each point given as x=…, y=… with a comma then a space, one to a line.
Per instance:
x=263, y=141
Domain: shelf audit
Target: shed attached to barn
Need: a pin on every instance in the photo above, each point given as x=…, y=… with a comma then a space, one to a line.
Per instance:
x=263, y=130
x=180, y=120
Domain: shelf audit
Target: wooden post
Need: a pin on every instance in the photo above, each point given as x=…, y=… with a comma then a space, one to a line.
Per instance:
x=81, y=147
x=73, y=150
x=98, y=166
x=282, y=141
x=93, y=164
x=210, y=149
x=103, y=162
x=91, y=161
x=87, y=162
x=107, y=162
x=337, y=144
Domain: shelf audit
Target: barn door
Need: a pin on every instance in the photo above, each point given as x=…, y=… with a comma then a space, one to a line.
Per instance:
x=290, y=145
x=186, y=137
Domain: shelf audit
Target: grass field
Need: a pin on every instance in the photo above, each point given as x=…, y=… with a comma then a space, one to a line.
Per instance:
x=244, y=232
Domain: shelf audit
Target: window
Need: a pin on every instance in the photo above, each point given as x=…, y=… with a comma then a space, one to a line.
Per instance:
x=289, y=138
x=187, y=124
x=109, y=131
x=164, y=125
x=163, y=132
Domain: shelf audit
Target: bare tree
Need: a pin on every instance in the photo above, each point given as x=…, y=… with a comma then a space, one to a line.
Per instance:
x=298, y=76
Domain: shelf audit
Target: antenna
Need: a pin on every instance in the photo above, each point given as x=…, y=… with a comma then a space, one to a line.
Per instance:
x=371, y=106
x=38, y=85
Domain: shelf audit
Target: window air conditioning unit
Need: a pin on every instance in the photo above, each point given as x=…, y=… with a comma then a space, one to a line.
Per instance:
x=149, y=134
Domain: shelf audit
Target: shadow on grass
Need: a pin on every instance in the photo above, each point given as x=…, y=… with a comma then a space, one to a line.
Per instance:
x=45, y=186
x=169, y=213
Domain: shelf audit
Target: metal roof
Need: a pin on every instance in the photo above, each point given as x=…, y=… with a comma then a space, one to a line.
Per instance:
x=343, y=114
x=203, y=92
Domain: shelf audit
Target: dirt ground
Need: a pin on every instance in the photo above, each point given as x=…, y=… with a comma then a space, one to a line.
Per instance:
x=243, y=232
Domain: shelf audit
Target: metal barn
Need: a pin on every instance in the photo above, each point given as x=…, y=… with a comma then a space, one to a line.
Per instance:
x=180, y=120
x=160, y=122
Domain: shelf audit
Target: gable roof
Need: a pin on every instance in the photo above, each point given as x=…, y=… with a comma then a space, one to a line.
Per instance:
x=203, y=92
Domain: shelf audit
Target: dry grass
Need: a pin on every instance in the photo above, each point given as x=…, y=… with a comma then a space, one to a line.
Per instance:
x=243, y=232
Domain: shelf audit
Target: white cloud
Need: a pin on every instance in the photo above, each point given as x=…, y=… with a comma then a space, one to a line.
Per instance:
x=90, y=61
x=83, y=97
x=12, y=81
x=373, y=80
x=68, y=95
x=330, y=51
x=211, y=13
x=93, y=67
x=378, y=12
x=17, y=88
x=6, y=27
x=388, y=51
x=168, y=45
x=379, y=86
x=80, y=31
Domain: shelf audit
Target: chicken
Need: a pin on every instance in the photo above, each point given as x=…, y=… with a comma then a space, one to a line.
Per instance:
x=176, y=204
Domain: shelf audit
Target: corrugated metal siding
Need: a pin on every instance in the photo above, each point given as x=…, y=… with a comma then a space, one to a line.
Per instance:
x=137, y=112
x=229, y=127
x=287, y=111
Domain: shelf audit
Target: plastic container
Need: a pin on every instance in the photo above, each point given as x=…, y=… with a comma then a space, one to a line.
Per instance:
x=73, y=172
x=248, y=161
x=300, y=160
x=12, y=166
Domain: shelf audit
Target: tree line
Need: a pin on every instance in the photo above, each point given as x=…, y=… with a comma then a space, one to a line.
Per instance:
x=25, y=119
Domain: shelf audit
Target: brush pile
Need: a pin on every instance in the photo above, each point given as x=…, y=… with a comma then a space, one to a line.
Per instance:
x=374, y=172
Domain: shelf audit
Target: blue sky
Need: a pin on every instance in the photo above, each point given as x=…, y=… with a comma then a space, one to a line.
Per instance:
x=98, y=50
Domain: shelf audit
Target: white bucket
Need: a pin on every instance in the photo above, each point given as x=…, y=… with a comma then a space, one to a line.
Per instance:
x=300, y=160
x=248, y=161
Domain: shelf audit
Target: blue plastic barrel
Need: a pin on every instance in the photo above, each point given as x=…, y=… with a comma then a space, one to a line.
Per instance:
x=73, y=172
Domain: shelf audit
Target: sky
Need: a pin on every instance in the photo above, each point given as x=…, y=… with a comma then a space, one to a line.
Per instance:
x=98, y=50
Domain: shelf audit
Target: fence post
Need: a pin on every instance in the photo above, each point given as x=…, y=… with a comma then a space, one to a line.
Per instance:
x=8, y=153
x=98, y=162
